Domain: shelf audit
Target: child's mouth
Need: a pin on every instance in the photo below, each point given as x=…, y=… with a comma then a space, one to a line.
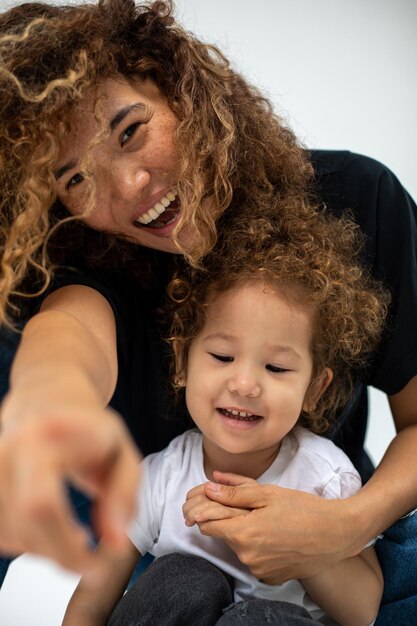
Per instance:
x=241, y=416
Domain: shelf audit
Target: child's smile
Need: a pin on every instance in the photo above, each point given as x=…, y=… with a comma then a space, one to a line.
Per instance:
x=248, y=376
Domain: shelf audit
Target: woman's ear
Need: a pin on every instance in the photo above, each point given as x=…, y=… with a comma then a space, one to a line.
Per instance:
x=316, y=389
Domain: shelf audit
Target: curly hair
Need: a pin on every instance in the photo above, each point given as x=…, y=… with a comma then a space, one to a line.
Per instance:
x=231, y=145
x=315, y=263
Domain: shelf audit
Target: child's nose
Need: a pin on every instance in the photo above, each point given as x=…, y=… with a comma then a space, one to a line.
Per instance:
x=245, y=383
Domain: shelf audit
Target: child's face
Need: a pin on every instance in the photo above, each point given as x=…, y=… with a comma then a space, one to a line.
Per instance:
x=249, y=371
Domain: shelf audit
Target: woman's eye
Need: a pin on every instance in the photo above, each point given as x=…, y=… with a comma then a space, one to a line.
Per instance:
x=128, y=133
x=75, y=180
x=275, y=369
x=221, y=357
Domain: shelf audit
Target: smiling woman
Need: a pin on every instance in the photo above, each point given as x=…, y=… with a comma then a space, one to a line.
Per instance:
x=121, y=147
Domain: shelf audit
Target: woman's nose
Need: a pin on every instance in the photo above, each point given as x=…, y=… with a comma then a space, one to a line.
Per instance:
x=244, y=383
x=128, y=183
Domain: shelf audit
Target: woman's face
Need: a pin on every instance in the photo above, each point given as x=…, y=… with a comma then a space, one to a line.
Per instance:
x=133, y=163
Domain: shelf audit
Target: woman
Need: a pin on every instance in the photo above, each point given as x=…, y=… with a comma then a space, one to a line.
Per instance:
x=110, y=112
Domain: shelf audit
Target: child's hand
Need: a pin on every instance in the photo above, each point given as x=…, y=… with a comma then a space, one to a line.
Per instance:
x=198, y=508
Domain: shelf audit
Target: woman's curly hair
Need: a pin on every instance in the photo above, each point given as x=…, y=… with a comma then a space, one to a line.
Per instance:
x=316, y=262
x=231, y=145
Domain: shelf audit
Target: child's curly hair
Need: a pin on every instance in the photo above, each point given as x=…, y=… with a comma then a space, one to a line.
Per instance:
x=320, y=258
x=231, y=145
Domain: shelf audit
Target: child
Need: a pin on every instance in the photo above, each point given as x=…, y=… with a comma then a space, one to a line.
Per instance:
x=264, y=344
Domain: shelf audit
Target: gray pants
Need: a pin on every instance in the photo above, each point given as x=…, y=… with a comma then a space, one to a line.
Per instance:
x=178, y=590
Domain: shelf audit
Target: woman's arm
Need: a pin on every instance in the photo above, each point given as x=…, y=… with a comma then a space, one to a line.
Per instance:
x=55, y=427
x=289, y=534
x=350, y=591
x=94, y=599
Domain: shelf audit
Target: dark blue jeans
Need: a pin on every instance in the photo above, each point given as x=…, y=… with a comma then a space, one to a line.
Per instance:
x=193, y=592
x=397, y=553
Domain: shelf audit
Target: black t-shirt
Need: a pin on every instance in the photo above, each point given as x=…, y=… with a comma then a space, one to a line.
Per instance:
x=388, y=217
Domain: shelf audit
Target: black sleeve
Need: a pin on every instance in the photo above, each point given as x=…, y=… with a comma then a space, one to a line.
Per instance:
x=388, y=217
x=142, y=392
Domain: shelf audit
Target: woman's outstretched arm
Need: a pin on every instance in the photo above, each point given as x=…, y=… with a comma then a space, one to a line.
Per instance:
x=56, y=427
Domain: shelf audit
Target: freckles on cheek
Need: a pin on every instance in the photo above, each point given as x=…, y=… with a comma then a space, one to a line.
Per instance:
x=85, y=207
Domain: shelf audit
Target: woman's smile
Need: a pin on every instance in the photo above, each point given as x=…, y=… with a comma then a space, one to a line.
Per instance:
x=131, y=163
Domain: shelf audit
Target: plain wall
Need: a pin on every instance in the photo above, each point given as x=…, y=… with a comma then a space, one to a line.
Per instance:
x=343, y=74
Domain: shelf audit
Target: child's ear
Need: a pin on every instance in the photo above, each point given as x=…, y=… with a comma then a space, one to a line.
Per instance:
x=316, y=389
x=180, y=375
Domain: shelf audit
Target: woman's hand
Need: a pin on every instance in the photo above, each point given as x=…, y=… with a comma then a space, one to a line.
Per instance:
x=55, y=428
x=38, y=455
x=198, y=508
x=283, y=534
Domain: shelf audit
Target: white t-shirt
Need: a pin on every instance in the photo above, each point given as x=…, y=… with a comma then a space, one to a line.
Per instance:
x=305, y=461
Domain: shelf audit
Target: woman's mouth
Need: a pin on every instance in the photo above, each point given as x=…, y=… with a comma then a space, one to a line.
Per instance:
x=162, y=213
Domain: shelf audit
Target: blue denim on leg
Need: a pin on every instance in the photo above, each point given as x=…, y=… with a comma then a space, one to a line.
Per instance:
x=258, y=611
x=397, y=553
x=177, y=590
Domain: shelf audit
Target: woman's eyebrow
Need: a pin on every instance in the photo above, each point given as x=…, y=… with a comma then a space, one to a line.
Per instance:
x=114, y=122
x=122, y=113
x=62, y=170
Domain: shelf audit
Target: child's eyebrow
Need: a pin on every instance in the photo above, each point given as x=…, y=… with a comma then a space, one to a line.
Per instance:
x=286, y=349
x=220, y=335
x=275, y=348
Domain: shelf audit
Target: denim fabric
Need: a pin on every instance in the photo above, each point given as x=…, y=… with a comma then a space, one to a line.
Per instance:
x=193, y=592
x=176, y=590
x=397, y=553
x=256, y=611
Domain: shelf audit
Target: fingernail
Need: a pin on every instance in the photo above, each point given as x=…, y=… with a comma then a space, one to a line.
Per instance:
x=214, y=487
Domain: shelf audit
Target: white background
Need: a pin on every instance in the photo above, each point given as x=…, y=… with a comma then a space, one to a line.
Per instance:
x=343, y=73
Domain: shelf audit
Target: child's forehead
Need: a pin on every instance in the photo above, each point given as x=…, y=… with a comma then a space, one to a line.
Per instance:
x=256, y=299
x=292, y=292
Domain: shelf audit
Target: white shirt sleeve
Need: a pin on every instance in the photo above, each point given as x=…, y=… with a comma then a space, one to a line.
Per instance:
x=342, y=485
x=144, y=530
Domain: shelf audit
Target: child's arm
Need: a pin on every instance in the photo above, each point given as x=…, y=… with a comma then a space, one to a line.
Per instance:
x=94, y=598
x=350, y=591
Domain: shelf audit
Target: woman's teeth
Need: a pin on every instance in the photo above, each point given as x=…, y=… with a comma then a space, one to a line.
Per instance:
x=157, y=210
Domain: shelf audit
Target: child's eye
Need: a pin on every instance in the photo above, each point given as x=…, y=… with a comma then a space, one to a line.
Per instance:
x=75, y=180
x=275, y=369
x=221, y=357
x=129, y=132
